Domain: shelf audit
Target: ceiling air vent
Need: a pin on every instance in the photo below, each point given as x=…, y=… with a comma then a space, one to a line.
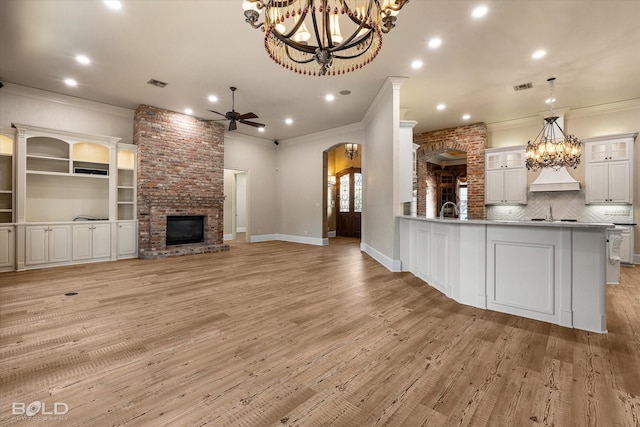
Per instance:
x=157, y=83
x=523, y=86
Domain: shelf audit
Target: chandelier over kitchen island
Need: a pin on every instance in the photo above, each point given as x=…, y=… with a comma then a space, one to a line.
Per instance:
x=306, y=36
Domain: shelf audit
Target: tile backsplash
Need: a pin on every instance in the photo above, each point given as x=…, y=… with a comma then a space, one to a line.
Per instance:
x=565, y=205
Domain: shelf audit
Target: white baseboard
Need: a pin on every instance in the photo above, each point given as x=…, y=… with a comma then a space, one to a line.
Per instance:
x=241, y=229
x=394, y=265
x=318, y=241
x=227, y=237
x=331, y=233
x=636, y=258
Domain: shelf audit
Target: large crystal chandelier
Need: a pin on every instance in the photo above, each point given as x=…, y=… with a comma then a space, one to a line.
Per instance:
x=323, y=50
x=551, y=148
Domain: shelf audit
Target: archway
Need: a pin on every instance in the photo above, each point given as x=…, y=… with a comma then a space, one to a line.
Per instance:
x=336, y=162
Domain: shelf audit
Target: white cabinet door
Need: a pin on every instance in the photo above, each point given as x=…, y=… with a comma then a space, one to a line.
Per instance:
x=7, y=247
x=37, y=245
x=59, y=243
x=127, y=239
x=494, y=187
x=597, y=177
x=619, y=182
x=515, y=185
x=81, y=242
x=101, y=241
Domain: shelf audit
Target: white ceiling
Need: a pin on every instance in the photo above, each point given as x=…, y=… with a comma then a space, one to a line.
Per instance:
x=204, y=47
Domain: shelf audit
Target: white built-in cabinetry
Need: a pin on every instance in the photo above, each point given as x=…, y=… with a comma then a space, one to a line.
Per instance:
x=7, y=199
x=47, y=244
x=91, y=241
x=609, y=169
x=73, y=198
x=505, y=176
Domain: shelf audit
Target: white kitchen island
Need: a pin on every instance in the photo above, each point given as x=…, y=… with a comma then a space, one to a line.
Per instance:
x=549, y=271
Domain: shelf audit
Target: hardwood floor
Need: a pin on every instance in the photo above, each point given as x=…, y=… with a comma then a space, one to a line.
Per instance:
x=283, y=334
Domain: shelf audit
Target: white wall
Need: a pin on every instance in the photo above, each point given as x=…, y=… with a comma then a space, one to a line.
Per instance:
x=258, y=157
x=381, y=187
x=20, y=104
x=300, y=181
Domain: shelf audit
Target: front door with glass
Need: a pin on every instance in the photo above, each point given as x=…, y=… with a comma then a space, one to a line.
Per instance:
x=349, y=202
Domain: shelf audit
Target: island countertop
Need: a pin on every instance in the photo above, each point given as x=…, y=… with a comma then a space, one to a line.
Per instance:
x=527, y=223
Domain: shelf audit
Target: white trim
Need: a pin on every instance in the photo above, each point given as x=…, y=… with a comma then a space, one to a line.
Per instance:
x=227, y=237
x=230, y=136
x=382, y=94
x=636, y=258
x=67, y=100
x=393, y=265
x=241, y=229
x=331, y=233
x=288, y=238
x=613, y=107
x=325, y=134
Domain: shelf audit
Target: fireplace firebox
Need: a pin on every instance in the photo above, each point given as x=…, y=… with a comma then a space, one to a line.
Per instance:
x=185, y=229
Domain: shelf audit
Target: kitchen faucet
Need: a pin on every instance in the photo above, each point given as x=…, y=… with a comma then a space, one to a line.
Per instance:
x=455, y=209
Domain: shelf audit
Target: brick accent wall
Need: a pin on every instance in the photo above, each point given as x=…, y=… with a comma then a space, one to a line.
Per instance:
x=180, y=172
x=470, y=138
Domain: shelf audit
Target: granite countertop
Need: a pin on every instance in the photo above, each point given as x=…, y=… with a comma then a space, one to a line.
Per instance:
x=526, y=223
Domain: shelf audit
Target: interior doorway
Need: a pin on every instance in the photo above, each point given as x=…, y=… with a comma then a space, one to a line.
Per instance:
x=235, y=213
x=342, y=168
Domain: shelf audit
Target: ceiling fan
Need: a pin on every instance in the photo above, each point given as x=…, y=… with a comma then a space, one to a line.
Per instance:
x=234, y=116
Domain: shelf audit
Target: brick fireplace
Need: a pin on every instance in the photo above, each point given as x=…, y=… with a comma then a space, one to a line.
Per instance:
x=180, y=173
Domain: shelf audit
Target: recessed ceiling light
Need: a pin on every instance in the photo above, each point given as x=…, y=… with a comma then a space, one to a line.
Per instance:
x=479, y=11
x=435, y=42
x=466, y=116
x=329, y=97
x=417, y=64
x=83, y=59
x=188, y=111
x=288, y=120
x=539, y=54
x=70, y=82
x=550, y=100
x=441, y=107
x=212, y=98
x=261, y=129
x=113, y=4
x=345, y=92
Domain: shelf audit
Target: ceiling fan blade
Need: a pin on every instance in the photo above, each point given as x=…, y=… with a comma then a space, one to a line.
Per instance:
x=232, y=125
x=254, y=124
x=224, y=115
x=247, y=116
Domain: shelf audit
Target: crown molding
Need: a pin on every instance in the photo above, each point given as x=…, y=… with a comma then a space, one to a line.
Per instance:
x=231, y=136
x=325, y=134
x=390, y=85
x=569, y=113
x=72, y=101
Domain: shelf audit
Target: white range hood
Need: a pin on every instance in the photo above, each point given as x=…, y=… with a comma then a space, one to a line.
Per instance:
x=554, y=180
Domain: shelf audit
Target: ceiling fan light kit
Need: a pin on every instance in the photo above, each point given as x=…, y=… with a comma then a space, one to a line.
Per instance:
x=323, y=50
x=233, y=116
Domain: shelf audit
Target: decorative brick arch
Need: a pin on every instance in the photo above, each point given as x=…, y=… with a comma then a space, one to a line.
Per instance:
x=470, y=138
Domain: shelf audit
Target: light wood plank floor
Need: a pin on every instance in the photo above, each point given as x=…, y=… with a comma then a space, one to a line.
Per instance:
x=282, y=334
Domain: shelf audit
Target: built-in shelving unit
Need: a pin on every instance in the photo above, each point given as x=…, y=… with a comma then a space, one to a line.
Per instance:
x=75, y=198
x=126, y=161
x=6, y=176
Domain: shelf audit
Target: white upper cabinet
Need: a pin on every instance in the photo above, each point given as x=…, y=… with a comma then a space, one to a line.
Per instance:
x=609, y=169
x=505, y=176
